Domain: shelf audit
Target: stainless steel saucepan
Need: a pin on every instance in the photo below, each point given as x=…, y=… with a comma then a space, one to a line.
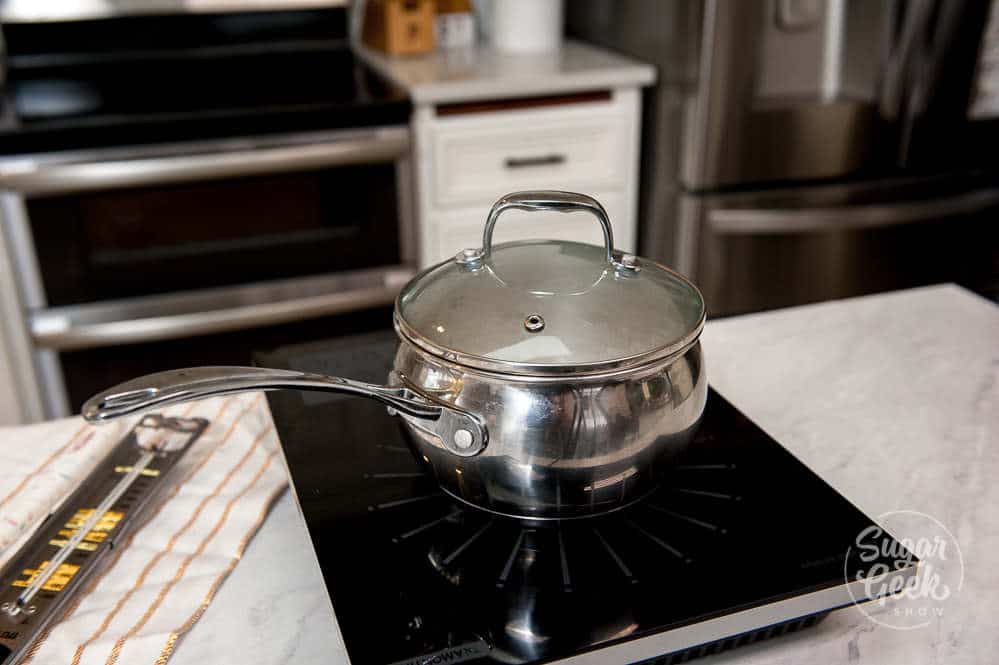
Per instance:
x=538, y=379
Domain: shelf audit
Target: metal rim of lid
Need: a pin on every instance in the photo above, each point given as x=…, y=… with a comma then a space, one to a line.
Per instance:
x=563, y=370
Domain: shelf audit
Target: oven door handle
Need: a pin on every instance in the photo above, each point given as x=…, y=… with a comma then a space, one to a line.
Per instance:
x=178, y=316
x=756, y=221
x=244, y=157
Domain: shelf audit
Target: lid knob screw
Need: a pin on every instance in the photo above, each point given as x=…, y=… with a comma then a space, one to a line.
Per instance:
x=534, y=323
x=469, y=258
x=629, y=262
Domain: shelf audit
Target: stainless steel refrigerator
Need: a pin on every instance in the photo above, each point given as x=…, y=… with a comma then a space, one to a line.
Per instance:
x=802, y=150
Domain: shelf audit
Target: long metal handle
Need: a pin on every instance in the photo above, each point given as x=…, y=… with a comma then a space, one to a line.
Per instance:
x=548, y=200
x=35, y=177
x=749, y=221
x=173, y=316
x=461, y=432
x=48, y=333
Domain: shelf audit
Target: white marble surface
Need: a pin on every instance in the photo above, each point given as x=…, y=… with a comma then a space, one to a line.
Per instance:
x=478, y=72
x=893, y=399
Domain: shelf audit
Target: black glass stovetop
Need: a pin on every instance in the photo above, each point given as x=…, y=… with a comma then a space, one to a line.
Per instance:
x=154, y=79
x=738, y=523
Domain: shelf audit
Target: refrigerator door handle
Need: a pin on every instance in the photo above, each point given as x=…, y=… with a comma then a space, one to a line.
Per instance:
x=754, y=221
x=899, y=62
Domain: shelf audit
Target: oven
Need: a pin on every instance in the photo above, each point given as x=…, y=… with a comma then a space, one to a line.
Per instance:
x=126, y=260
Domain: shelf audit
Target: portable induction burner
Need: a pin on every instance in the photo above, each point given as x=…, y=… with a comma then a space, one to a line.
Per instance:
x=741, y=542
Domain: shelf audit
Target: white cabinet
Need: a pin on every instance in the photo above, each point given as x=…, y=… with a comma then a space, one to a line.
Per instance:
x=474, y=157
x=467, y=161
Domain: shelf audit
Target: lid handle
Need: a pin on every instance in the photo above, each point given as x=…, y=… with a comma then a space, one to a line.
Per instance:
x=548, y=200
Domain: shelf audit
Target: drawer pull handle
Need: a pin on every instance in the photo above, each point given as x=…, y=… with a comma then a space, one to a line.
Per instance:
x=540, y=160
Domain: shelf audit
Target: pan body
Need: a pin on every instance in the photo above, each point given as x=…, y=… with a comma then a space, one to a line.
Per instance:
x=559, y=447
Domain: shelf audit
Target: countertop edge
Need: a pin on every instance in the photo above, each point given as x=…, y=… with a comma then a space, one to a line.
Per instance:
x=629, y=73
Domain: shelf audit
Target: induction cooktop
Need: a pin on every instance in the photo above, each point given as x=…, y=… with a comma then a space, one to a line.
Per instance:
x=741, y=542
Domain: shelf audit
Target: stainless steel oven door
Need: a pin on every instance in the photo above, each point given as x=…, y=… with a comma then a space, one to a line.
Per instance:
x=784, y=247
x=61, y=306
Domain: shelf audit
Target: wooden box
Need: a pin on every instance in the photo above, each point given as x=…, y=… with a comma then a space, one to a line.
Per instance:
x=399, y=27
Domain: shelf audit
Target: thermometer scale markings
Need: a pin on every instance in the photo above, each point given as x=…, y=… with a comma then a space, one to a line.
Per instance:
x=56, y=565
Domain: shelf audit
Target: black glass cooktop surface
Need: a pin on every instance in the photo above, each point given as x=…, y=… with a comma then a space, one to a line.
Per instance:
x=154, y=79
x=738, y=523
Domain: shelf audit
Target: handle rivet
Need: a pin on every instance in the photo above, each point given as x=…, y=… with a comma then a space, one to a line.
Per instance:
x=463, y=439
x=534, y=323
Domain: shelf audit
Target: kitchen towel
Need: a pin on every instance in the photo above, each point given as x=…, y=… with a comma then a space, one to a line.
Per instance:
x=159, y=583
x=42, y=464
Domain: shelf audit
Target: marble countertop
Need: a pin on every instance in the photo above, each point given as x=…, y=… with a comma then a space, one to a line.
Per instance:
x=478, y=72
x=893, y=399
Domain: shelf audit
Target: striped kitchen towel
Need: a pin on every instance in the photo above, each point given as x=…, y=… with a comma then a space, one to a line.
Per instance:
x=158, y=584
x=42, y=464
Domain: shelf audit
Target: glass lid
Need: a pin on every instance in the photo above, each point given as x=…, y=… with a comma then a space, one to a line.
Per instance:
x=545, y=305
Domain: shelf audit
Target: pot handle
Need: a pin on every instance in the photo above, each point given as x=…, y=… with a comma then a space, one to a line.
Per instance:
x=461, y=432
x=547, y=200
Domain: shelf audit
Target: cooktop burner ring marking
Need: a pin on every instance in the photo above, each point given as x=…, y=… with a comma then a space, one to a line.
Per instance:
x=510, y=559
x=713, y=495
x=659, y=541
x=465, y=545
x=566, y=584
x=383, y=476
x=534, y=519
x=421, y=529
x=402, y=502
x=617, y=559
x=686, y=518
x=704, y=467
x=394, y=449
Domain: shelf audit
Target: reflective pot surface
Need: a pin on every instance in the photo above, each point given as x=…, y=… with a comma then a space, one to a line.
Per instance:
x=558, y=448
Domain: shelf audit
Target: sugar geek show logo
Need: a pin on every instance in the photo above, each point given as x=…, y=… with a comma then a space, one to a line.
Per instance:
x=894, y=543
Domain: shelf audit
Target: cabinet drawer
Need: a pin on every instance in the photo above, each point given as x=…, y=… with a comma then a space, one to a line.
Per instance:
x=483, y=160
x=459, y=229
